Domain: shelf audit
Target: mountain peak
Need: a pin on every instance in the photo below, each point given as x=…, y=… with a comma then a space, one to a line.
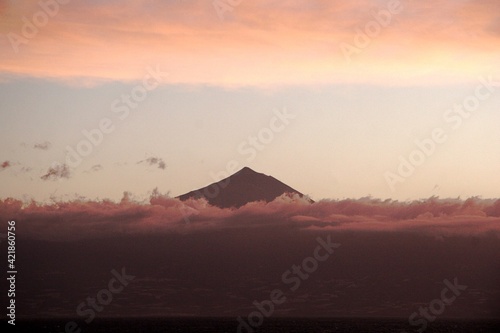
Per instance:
x=241, y=188
x=246, y=170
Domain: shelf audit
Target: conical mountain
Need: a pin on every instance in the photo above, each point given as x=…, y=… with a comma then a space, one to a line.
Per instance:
x=241, y=188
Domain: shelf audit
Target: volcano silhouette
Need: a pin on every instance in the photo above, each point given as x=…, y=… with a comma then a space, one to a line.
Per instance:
x=241, y=188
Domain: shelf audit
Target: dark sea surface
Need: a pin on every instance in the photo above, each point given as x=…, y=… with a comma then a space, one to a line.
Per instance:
x=222, y=325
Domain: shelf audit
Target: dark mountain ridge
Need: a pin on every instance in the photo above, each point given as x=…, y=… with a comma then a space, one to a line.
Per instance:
x=241, y=188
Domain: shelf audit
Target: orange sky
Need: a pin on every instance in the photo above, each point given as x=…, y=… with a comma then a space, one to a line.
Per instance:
x=290, y=42
x=366, y=79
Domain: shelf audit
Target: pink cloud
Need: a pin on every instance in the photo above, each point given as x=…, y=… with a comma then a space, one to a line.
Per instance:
x=5, y=165
x=86, y=219
x=90, y=43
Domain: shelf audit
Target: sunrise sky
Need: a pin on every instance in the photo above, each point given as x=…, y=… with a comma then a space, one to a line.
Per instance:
x=336, y=93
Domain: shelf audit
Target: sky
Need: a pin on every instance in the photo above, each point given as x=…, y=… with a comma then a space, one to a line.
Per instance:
x=338, y=99
x=384, y=112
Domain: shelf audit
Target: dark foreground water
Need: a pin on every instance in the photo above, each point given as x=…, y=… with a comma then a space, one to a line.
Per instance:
x=279, y=325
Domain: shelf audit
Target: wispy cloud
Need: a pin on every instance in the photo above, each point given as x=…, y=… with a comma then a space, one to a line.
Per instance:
x=95, y=168
x=5, y=165
x=57, y=172
x=42, y=146
x=26, y=169
x=156, y=161
x=301, y=36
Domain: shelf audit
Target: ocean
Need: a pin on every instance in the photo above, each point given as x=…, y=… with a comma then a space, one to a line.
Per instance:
x=275, y=325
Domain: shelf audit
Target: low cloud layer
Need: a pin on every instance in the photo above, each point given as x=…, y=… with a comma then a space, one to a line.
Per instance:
x=194, y=259
x=88, y=219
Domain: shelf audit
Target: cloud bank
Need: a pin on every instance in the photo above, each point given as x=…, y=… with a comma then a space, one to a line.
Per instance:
x=88, y=219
